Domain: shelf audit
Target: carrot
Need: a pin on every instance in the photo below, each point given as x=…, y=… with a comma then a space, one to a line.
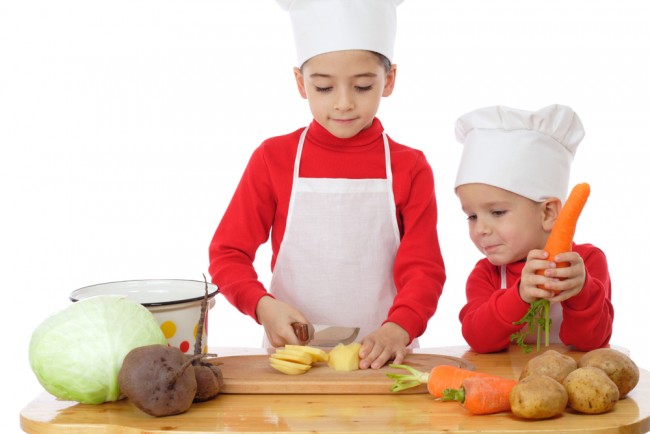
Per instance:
x=482, y=395
x=440, y=377
x=561, y=238
x=559, y=241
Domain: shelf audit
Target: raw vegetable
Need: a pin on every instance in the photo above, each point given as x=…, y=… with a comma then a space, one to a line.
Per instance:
x=559, y=241
x=292, y=356
x=288, y=367
x=344, y=357
x=158, y=379
x=590, y=390
x=538, y=397
x=561, y=238
x=162, y=381
x=482, y=395
x=618, y=366
x=77, y=353
x=440, y=377
x=296, y=359
x=316, y=354
x=550, y=363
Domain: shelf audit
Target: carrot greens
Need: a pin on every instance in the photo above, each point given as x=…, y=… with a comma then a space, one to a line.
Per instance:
x=537, y=318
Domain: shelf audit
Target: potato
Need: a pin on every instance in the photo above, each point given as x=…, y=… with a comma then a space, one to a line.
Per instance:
x=590, y=390
x=619, y=367
x=316, y=354
x=538, y=397
x=551, y=363
x=344, y=357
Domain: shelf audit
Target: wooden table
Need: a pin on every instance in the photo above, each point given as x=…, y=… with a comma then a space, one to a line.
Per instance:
x=414, y=413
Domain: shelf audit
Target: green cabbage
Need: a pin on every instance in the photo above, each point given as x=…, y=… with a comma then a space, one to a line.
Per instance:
x=77, y=353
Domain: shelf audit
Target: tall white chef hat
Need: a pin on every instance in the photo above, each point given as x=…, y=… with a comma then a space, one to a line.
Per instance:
x=322, y=26
x=528, y=153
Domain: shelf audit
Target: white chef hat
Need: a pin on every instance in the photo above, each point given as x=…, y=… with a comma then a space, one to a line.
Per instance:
x=527, y=153
x=322, y=26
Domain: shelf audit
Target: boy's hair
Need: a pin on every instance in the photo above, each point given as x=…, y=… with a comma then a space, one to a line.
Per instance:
x=383, y=61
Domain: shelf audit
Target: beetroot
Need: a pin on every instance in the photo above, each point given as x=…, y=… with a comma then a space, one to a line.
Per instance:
x=162, y=381
x=158, y=379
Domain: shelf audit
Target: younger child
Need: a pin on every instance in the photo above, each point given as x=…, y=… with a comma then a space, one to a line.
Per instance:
x=350, y=212
x=512, y=179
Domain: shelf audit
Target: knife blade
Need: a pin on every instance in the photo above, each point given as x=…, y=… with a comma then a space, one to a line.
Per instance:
x=321, y=335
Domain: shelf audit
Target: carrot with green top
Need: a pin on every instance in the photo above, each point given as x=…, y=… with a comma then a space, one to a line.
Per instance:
x=440, y=377
x=482, y=395
x=559, y=241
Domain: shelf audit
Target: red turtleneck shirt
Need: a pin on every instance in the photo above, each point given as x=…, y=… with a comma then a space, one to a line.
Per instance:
x=487, y=318
x=260, y=204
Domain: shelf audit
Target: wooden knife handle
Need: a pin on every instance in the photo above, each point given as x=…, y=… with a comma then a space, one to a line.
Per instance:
x=301, y=330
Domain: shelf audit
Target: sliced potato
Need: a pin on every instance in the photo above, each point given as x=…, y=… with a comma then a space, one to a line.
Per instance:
x=292, y=356
x=289, y=370
x=287, y=367
x=317, y=354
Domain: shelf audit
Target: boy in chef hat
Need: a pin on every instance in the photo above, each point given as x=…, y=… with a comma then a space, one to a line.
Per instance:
x=512, y=180
x=351, y=213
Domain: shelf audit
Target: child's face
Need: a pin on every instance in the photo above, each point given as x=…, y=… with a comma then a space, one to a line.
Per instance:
x=503, y=225
x=344, y=89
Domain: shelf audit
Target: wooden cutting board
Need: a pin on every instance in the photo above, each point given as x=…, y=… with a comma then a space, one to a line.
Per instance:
x=253, y=375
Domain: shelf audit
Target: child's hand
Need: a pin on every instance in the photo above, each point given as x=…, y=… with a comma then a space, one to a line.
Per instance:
x=384, y=344
x=566, y=282
x=559, y=283
x=529, y=290
x=276, y=317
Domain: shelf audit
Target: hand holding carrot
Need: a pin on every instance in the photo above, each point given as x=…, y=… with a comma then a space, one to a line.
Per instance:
x=542, y=279
x=557, y=249
x=564, y=271
x=566, y=282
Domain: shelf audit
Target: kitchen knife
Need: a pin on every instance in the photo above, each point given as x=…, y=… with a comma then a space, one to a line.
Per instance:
x=319, y=335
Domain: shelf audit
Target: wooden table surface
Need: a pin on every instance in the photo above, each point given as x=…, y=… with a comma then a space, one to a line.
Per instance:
x=393, y=413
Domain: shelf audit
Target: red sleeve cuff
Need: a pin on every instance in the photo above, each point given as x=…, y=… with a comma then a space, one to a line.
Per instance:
x=408, y=320
x=510, y=306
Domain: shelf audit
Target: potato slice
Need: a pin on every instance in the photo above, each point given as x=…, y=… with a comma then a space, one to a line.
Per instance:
x=316, y=354
x=291, y=368
x=292, y=356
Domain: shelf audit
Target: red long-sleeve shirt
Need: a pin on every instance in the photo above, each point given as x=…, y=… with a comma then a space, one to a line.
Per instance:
x=487, y=318
x=260, y=204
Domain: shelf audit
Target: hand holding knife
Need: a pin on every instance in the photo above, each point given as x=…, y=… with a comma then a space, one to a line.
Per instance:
x=318, y=335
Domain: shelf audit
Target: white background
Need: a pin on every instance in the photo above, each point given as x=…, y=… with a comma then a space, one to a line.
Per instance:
x=125, y=126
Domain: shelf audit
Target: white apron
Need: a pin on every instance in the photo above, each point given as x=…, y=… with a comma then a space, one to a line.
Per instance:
x=555, y=314
x=335, y=262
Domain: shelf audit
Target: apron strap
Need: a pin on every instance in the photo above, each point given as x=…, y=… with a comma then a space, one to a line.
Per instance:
x=391, y=195
x=296, y=171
